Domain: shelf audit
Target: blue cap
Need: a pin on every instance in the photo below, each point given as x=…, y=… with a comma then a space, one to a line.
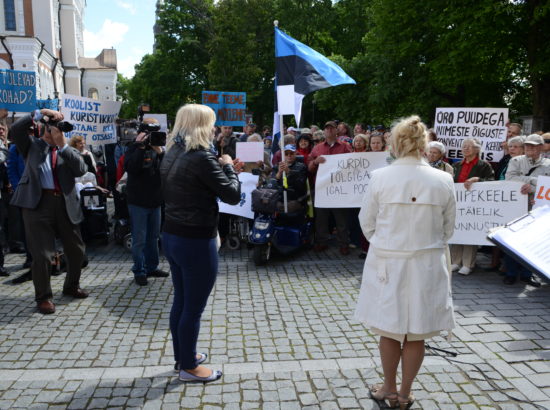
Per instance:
x=290, y=147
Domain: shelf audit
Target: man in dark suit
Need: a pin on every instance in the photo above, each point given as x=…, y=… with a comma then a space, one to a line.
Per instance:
x=47, y=195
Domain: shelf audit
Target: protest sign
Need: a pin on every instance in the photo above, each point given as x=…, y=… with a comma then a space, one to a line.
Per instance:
x=244, y=207
x=342, y=179
x=542, y=193
x=18, y=90
x=50, y=104
x=161, y=118
x=485, y=206
x=453, y=125
x=250, y=151
x=230, y=107
x=93, y=119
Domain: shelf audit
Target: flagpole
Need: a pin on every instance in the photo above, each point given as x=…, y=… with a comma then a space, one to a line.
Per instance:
x=282, y=147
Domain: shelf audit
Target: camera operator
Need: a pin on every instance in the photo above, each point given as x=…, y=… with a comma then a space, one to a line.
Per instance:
x=46, y=192
x=142, y=163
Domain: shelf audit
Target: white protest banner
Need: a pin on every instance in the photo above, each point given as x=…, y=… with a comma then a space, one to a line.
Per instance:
x=161, y=118
x=93, y=119
x=453, y=125
x=244, y=207
x=485, y=206
x=343, y=178
x=542, y=193
x=250, y=151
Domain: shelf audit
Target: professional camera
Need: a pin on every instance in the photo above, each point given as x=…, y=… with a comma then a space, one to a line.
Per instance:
x=62, y=126
x=156, y=138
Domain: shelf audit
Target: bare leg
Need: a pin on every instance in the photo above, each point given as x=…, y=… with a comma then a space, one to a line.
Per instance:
x=390, y=354
x=413, y=356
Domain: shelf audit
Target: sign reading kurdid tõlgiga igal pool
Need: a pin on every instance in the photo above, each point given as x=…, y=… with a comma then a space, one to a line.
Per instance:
x=454, y=125
x=93, y=119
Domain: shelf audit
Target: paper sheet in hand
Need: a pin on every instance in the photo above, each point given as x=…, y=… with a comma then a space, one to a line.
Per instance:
x=244, y=207
x=250, y=151
x=528, y=239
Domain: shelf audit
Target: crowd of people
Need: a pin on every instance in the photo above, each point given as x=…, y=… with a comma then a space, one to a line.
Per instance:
x=174, y=189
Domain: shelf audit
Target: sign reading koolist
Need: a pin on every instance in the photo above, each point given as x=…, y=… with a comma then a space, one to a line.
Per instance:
x=485, y=206
x=230, y=107
x=93, y=119
x=18, y=90
x=454, y=125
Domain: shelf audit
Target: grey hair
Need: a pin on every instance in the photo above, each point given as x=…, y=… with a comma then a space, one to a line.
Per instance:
x=254, y=138
x=520, y=139
x=438, y=145
x=475, y=142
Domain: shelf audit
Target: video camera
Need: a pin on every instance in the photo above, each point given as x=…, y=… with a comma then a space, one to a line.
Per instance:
x=156, y=138
x=63, y=126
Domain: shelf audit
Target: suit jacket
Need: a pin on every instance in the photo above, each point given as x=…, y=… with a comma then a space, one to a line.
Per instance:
x=69, y=166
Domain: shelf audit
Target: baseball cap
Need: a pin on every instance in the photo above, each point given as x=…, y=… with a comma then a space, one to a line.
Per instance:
x=291, y=129
x=330, y=124
x=290, y=147
x=306, y=131
x=534, y=139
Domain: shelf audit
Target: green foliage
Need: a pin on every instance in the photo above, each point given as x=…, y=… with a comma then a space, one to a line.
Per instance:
x=406, y=56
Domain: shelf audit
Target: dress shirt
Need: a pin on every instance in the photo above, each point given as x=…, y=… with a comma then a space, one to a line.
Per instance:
x=45, y=169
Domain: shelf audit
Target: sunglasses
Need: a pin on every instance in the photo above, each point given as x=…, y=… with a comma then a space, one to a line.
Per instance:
x=547, y=141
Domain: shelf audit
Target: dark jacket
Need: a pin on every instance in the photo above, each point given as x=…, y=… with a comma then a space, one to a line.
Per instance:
x=143, y=168
x=296, y=179
x=69, y=166
x=483, y=170
x=191, y=183
x=16, y=166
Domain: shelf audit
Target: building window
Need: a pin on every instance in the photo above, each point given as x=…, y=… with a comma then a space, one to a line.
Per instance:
x=93, y=93
x=9, y=15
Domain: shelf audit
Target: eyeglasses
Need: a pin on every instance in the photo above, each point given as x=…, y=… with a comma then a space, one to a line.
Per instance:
x=547, y=141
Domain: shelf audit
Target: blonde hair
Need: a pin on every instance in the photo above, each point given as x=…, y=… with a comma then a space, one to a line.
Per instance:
x=409, y=137
x=362, y=137
x=76, y=139
x=254, y=138
x=194, y=124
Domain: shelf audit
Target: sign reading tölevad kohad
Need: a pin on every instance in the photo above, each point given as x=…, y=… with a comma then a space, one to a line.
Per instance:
x=230, y=107
x=454, y=125
x=485, y=206
x=342, y=179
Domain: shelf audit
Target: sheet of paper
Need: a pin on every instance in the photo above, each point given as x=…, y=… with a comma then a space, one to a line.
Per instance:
x=250, y=151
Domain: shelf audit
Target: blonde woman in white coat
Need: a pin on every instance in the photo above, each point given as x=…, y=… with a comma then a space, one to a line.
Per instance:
x=408, y=217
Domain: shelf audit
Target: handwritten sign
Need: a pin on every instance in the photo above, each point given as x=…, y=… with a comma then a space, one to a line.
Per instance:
x=244, y=207
x=51, y=104
x=250, y=151
x=343, y=179
x=485, y=206
x=230, y=107
x=18, y=90
x=542, y=193
x=453, y=125
x=93, y=119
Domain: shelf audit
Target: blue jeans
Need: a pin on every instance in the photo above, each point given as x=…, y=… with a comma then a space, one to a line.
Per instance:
x=145, y=224
x=194, y=266
x=515, y=269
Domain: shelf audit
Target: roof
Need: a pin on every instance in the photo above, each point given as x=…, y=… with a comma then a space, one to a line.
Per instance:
x=105, y=60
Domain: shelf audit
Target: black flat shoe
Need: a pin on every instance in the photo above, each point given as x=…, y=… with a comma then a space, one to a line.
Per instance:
x=531, y=281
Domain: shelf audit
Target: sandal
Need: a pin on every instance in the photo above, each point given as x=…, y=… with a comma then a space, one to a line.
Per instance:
x=383, y=399
x=404, y=405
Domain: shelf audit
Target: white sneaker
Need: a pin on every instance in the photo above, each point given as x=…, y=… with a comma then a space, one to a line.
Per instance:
x=454, y=267
x=465, y=271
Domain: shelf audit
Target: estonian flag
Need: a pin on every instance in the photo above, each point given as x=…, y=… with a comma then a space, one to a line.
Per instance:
x=301, y=70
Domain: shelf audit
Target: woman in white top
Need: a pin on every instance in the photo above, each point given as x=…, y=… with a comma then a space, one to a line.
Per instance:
x=408, y=217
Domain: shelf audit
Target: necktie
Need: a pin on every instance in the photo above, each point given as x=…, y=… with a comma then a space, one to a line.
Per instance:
x=54, y=169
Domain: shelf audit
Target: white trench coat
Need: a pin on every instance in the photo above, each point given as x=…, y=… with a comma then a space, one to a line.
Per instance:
x=408, y=215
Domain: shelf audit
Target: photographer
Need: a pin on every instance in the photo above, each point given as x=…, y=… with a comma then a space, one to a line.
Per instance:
x=46, y=192
x=142, y=163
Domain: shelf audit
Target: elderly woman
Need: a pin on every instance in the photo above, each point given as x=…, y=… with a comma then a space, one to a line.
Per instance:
x=263, y=167
x=79, y=143
x=515, y=148
x=360, y=143
x=376, y=142
x=435, y=155
x=405, y=294
x=192, y=180
x=468, y=171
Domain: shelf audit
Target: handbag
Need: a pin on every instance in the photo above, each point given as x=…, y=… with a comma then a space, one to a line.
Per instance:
x=264, y=200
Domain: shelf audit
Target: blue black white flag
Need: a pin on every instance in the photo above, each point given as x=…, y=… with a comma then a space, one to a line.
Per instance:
x=301, y=70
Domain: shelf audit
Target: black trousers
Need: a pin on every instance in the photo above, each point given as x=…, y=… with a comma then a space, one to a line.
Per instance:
x=42, y=225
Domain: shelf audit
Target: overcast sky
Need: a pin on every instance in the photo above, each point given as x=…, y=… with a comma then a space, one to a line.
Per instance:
x=126, y=25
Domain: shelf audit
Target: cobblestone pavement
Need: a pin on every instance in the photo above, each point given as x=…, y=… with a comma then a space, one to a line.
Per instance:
x=283, y=335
